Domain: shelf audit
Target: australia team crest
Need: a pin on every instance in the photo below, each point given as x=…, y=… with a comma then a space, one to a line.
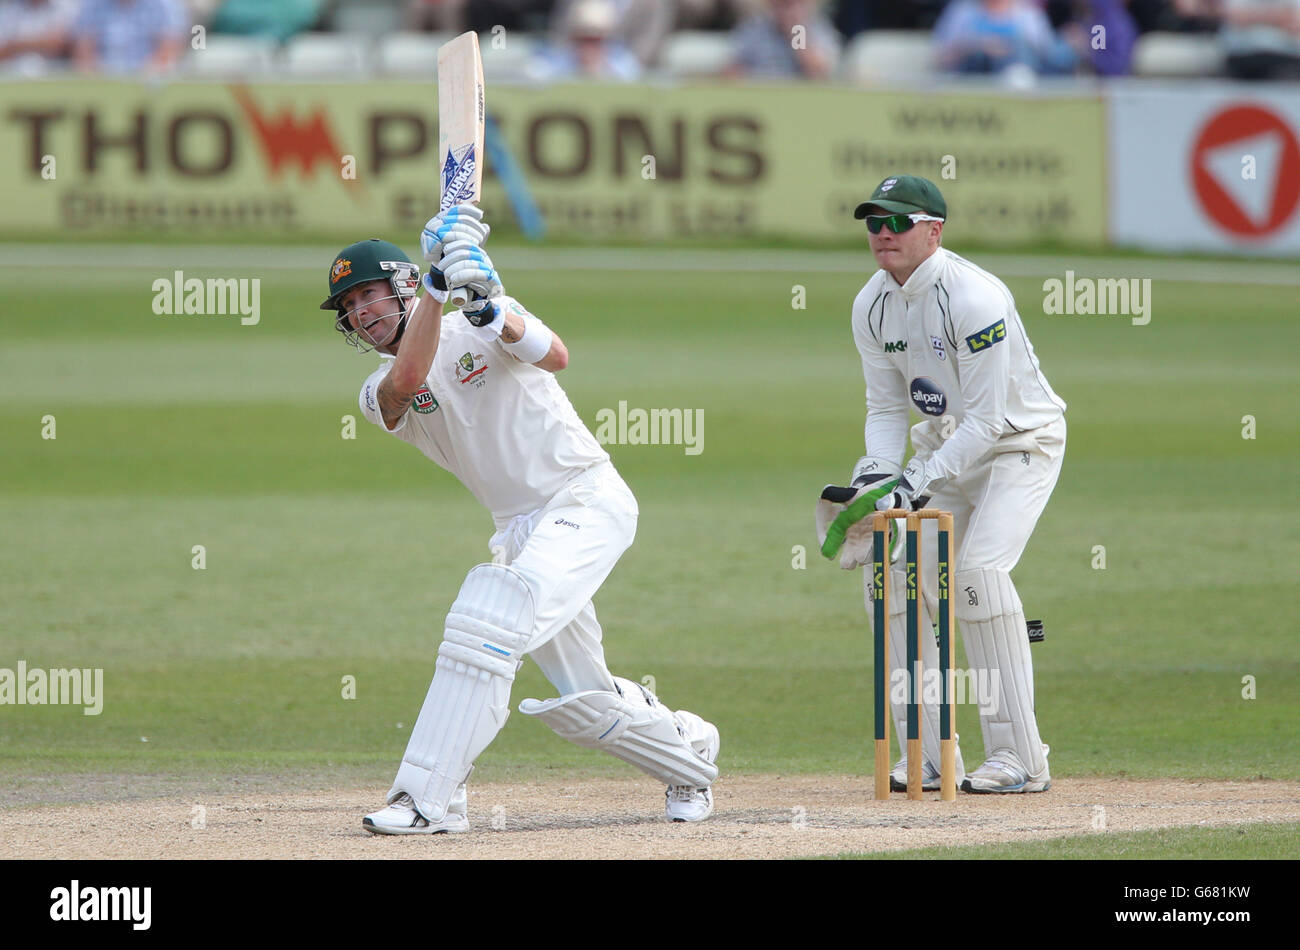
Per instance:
x=470, y=368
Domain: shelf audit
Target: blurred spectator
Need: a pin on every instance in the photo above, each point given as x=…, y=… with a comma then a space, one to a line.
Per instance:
x=791, y=38
x=854, y=16
x=442, y=16
x=278, y=19
x=999, y=36
x=202, y=11
x=1180, y=16
x=1103, y=34
x=457, y=16
x=35, y=35
x=1261, y=39
x=127, y=36
x=587, y=48
x=716, y=14
x=640, y=26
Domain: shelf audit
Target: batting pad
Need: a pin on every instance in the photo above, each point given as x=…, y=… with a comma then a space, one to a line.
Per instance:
x=993, y=629
x=631, y=725
x=930, y=694
x=469, y=699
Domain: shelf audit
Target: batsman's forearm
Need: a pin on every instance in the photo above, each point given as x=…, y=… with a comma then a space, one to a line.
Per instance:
x=557, y=355
x=419, y=345
x=414, y=357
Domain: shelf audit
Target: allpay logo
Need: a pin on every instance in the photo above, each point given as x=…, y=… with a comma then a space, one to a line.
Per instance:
x=928, y=397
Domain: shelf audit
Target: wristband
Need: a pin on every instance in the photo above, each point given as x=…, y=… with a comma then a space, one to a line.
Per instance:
x=534, y=344
x=434, y=292
x=492, y=329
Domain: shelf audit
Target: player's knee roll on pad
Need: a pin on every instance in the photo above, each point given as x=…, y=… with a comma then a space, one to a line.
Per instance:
x=992, y=622
x=487, y=632
x=631, y=725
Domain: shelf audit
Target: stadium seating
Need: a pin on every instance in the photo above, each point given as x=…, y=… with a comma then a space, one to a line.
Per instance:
x=366, y=18
x=509, y=63
x=410, y=54
x=695, y=53
x=415, y=55
x=326, y=55
x=227, y=57
x=1177, y=54
x=882, y=56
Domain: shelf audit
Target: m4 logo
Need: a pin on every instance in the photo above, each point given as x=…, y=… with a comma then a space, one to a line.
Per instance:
x=898, y=346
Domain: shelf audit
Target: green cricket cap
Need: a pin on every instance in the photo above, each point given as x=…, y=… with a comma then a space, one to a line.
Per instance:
x=904, y=194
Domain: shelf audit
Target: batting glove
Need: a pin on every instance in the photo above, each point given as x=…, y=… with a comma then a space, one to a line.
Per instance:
x=457, y=223
x=466, y=265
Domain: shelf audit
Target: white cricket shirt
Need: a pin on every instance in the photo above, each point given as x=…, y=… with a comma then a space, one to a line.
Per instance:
x=504, y=428
x=948, y=343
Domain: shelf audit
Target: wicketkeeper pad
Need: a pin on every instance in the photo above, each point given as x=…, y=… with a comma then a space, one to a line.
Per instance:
x=631, y=725
x=468, y=701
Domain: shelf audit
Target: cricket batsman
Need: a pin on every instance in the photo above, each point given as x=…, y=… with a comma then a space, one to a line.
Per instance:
x=941, y=336
x=475, y=391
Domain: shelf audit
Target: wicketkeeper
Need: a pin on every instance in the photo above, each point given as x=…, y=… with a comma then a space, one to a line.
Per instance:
x=941, y=336
x=476, y=393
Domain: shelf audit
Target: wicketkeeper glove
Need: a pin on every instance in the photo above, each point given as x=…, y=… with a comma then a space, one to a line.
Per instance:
x=911, y=492
x=841, y=511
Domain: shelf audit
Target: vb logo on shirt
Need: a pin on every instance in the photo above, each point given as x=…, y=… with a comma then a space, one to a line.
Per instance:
x=424, y=402
x=987, y=337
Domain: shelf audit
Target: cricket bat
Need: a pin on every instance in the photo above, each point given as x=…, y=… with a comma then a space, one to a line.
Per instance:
x=460, y=127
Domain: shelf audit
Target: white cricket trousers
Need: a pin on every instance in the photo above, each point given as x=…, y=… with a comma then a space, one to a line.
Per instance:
x=564, y=551
x=995, y=505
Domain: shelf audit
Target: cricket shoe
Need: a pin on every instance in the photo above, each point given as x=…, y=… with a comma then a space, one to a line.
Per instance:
x=898, y=777
x=685, y=803
x=1004, y=774
x=401, y=818
x=688, y=804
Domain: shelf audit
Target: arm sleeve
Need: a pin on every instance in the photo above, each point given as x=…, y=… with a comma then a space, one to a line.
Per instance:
x=983, y=372
x=369, y=399
x=885, y=432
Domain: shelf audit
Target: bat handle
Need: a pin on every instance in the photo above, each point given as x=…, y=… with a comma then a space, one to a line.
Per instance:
x=460, y=296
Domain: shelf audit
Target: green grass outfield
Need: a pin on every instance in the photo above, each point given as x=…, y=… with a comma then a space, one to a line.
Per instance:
x=328, y=558
x=1269, y=841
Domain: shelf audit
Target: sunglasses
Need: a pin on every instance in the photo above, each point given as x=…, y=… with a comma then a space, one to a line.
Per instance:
x=898, y=223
